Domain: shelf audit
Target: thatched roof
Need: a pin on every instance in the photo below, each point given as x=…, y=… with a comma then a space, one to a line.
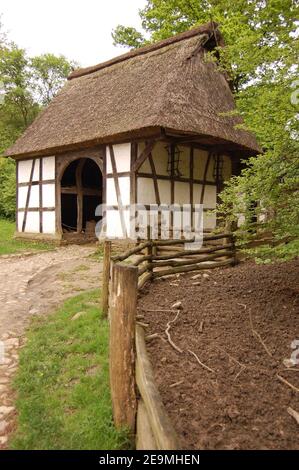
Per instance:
x=167, y=85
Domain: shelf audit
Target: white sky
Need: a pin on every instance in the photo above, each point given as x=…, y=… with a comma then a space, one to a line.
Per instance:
x=78, y=29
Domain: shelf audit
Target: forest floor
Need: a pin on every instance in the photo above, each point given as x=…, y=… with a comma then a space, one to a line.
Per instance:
x=32, y=286
x=233, y=383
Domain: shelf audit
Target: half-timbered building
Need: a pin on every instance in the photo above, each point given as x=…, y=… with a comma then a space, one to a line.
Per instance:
x=154, y=125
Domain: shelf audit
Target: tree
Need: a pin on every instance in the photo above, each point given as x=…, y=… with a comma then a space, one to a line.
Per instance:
x=126, y=36
x=48, y=74
x=261, y=56
x=15, y=76
x=25, y=86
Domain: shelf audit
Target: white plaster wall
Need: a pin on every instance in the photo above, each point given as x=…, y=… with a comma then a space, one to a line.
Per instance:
x=209, y=195
x=24, y=170
x=181, y=193
x=48, y=168
x=145, y=191
x=124, y=188
x=48, y=190
x=49, y=222
x=160, y=158
x=111, y=199
x=34, y=197
x=200, y=160
x=164, y=187
x=48, y=195
x=145, y=186
x=113, y=223
x=36, y=170
x=32, y=222
x=20, y=221
x=122, y=154
x=22, y=195
x=145, y=167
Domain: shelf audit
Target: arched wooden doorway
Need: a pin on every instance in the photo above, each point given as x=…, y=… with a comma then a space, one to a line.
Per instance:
x=81, y=187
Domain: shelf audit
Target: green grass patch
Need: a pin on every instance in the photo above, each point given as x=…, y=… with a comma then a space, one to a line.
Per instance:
x=63, y=382
x=8, y=245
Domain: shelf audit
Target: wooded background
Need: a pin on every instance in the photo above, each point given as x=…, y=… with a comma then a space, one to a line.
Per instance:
x=27, y=84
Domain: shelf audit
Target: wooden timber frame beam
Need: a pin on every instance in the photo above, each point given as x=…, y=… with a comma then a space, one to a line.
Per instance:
x=117, y=191
x=79, y=195
x=144, y=155
x=203, y=188
x=28, y=195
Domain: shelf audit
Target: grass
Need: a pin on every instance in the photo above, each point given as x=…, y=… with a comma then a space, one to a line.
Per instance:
x=8, y=245
x=63, y=383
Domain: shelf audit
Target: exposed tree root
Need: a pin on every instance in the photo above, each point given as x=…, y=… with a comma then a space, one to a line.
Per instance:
x=287, y=383
x=201, y=363
x=176, y=384
x=255, y=333
x=168, y=334
x=294, y=414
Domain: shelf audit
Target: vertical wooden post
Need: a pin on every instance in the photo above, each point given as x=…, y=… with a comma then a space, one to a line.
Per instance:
x=235, y=258
x=106, y=277
x=122, y=345
x=230, y=227
x=149, y=249
x=79, y=195
x=149, y=252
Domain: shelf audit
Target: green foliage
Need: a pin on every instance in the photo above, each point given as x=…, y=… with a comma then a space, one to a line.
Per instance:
x=63, y=382
x=261, y=57
x=126, y=36
x=8, y=188
x=48, y=75
x=26, y=84
x=10, y=245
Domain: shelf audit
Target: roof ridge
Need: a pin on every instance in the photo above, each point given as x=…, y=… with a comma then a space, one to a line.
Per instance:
x=210, y=27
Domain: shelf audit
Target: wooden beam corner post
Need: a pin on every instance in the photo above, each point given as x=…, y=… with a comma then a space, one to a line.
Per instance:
x=123, y=305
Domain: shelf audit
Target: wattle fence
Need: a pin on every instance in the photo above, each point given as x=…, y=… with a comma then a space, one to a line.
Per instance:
x=136, y=401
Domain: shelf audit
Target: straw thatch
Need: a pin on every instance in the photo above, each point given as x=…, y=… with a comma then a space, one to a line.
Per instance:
x=167, y=85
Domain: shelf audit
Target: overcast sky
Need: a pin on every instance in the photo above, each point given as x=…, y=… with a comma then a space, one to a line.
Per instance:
x=78, y=29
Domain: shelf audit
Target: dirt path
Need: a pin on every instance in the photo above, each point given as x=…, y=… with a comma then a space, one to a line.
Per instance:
x=34, y=285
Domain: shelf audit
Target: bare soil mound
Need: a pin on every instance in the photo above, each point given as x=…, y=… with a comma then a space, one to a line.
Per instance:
x=240, y=322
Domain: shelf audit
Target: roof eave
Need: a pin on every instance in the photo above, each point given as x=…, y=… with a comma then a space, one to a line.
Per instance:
x=155, y=132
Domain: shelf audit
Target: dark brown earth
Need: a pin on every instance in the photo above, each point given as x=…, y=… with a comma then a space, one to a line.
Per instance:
x=242, y=404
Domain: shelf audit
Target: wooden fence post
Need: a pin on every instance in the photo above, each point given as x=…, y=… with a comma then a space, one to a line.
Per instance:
x=234, y=250
x=106, y=277
x=123, y=305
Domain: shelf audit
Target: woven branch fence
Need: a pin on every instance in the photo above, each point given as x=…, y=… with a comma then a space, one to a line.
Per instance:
x=136, y=402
